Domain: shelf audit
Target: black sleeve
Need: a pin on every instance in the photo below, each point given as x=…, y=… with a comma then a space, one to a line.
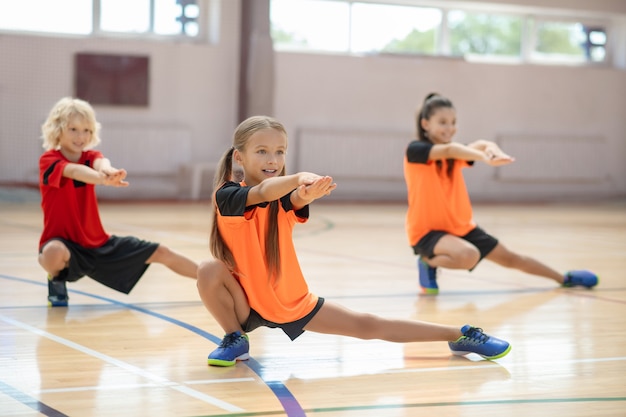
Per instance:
x=418, y=151
x=231, y=199
x=285, y=202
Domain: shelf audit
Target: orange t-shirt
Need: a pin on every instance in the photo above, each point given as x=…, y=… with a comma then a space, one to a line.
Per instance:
x=281, y=299
x=436, y=201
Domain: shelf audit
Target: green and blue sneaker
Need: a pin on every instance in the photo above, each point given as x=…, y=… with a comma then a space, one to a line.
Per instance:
x=582, y=278
x=474, y=340
x=234, y=347
x=428, y=278
x=57, y=293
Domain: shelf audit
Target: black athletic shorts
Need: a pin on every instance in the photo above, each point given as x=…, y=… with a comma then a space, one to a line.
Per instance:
x=118, y=264
x=483, y=241
x=292, y=329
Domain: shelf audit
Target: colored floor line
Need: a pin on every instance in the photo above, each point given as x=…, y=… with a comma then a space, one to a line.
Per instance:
x=159, y=380
x=29, y=401
x=426, y=405
x=290, y=405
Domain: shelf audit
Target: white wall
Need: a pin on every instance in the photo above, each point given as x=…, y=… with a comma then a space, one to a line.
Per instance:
x=192, y=86
x=382, y=94
x=195, y=86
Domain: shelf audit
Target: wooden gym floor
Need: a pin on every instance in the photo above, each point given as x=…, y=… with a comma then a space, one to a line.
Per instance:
x=144, y=354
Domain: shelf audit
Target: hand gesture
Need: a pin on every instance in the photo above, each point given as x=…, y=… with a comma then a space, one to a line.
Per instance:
x=317, y=188
x=307, y=178
x=496, y=157
x=114, y=177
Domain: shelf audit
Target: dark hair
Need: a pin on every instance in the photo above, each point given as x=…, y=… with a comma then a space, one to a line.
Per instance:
x=433, y=102
x=225, y=173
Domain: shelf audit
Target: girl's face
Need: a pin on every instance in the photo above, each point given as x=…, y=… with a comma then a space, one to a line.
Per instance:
x=263, y=156
x=441, y=126
x=75, y=137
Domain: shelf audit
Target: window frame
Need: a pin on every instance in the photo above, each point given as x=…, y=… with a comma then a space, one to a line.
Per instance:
x=534, y=56
x=208, y=15
x=528, y=33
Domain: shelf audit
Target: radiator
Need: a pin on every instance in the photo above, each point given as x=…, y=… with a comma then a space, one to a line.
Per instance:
x=554, y=158
x=351, y=154
x=146, y=150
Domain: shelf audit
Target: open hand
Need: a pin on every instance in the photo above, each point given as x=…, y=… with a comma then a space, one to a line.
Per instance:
x=115, y=177
x=318, y=188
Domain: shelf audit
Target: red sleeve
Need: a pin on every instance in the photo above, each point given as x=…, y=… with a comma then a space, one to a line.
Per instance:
x=51, y=165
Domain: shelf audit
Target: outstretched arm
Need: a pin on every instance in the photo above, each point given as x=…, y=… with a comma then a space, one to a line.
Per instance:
x=306, y=194
x=274, y=188
x=485, y=151
x=101, y=174
x=495, y=155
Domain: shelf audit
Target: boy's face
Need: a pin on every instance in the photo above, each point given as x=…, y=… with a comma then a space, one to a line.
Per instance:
x=75, y=137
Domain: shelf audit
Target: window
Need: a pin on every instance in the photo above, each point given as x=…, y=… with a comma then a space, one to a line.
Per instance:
x=566, y=41
x=60, y=16
x=389, y=28
x=595, y=46
x=137, y=17
x=125, y=16
x=338, y=26
x=509, y=35
x=310, y=25
x=485, y=34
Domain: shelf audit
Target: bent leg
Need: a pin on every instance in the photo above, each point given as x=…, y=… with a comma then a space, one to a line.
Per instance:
x=452, y=252
x=174, y=261
x=54, y=257
x=508, y=259
x=335, y=319
x=222, y=296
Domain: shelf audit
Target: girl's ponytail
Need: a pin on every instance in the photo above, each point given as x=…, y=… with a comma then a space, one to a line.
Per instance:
x=223, y=174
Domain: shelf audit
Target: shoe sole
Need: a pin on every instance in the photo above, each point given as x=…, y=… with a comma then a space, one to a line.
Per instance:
x=582, y=285
x=430, y=291
x=498, y=356
x=57, y=303
x=224, y=363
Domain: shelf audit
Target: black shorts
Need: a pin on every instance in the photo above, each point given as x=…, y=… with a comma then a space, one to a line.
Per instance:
x=483, y=241
x=292, y=329
x=118, y=264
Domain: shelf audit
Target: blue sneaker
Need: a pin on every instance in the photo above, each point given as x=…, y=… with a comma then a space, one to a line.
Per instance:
x=475, y=341
x=234, y=347
x=57, y=293
x=581, y=278
x=428, y=278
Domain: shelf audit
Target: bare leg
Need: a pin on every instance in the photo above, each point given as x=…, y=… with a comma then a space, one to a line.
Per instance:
x=174, y=261
x=504, y=257
x=335, y=319
x=452, y=252
x=54, y=257
x=222, y=296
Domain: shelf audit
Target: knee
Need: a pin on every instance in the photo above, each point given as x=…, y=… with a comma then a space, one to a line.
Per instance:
x=211, y=273
x=53, y=255
x=468, y=258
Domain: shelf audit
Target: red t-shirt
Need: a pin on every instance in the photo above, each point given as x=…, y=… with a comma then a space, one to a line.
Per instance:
x=281, y=299
x=70, y=207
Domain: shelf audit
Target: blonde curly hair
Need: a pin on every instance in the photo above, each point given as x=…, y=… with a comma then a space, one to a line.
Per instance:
x=59, y=117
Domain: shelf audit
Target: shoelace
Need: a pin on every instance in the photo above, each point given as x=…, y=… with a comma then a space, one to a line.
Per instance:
x=476, y=335
x=230, y=339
